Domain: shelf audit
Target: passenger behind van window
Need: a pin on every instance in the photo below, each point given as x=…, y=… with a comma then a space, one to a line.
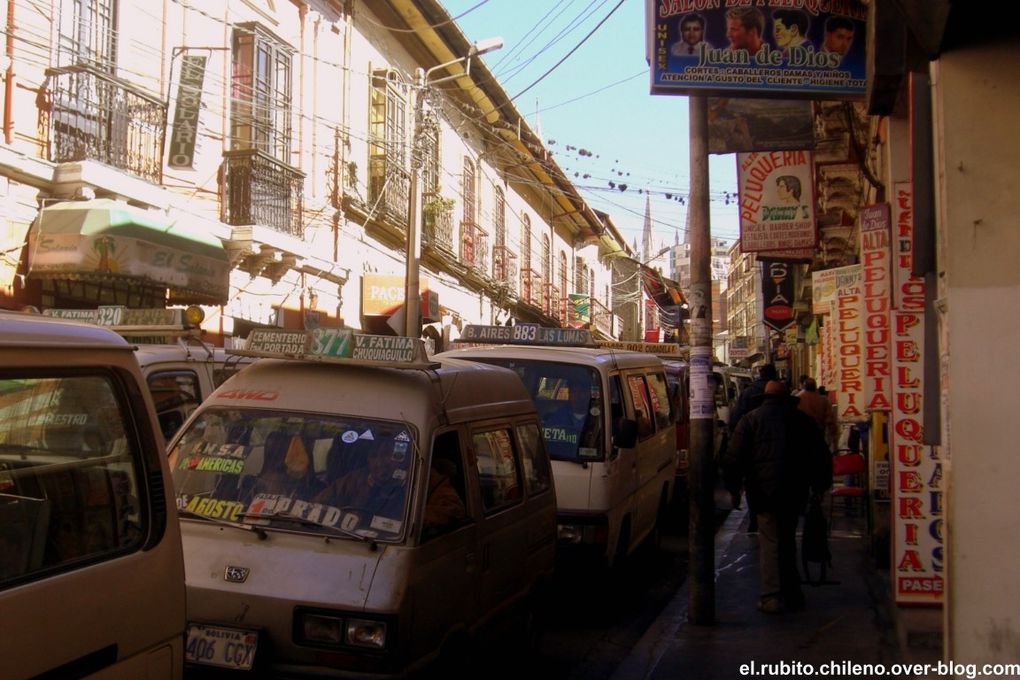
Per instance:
x=285, y=466
x=444, y=508
x=376, y=487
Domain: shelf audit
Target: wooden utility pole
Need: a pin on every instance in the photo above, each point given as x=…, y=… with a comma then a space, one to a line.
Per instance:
x=701, y=475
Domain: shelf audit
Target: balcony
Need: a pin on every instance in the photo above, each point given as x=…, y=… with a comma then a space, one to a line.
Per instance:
x=504, y=266
x=552, y=306
x=258, y=189
x=96, y=116
x=474, y=246
x=437, y=222
x=532, y=290
x=388, y=187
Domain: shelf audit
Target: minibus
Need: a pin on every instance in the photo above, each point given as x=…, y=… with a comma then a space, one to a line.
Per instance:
x=608, y=426
x=350, y=507
x=91, y=568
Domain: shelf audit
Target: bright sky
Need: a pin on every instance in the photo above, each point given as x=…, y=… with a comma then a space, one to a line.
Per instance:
x=615, y=141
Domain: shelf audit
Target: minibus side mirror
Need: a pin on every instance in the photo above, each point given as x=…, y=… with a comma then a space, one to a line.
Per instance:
x=626, y=434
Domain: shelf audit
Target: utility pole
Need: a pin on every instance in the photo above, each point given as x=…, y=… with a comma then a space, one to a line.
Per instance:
x=701, y=475
x=412, y=252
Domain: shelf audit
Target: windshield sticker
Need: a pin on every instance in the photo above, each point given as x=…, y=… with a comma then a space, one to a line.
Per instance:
x=559, y=434
x=349, y=437
x=250, y=395
x=400, y=475
x=595, y=411
x=380, y=523
x=230, y=466
x=211, y=507
x=399, y=450
x=402, y=437
x=367, y=434
x=587, y=452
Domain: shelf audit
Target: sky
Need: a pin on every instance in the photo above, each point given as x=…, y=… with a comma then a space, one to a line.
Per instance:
x=616, y=142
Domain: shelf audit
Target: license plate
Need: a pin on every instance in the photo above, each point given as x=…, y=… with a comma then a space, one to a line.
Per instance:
x=223, y=647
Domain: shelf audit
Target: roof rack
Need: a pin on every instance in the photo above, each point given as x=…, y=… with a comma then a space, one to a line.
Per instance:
x=339, y=346
x=526, y=334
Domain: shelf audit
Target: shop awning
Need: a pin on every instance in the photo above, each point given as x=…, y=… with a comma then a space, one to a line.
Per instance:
x=108, y=240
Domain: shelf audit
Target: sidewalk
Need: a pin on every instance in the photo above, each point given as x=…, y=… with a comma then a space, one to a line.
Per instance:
x=849, y=620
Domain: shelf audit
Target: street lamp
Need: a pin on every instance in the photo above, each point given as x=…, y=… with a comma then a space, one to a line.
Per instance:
x=412, y=255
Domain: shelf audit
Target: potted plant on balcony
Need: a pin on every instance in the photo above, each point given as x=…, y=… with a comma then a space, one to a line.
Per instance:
x=435, y=206
x=435, y=212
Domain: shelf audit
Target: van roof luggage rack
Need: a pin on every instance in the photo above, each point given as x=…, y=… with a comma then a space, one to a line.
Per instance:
x=526, y=334
x=337, y=346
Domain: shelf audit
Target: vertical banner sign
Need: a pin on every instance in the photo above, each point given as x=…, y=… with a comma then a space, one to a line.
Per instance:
x=189, y=105
x=847, y=332
x=918, y=538
x=777, y=292
x=777, y=202
x=876, y=275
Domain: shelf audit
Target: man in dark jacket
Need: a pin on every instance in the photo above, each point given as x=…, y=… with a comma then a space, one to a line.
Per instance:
x=778, y=454
x=750, y=398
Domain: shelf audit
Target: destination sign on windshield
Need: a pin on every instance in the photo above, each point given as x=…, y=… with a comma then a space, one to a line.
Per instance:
x=527, y=334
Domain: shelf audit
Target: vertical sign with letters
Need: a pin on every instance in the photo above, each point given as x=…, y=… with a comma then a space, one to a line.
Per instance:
x=189, y=105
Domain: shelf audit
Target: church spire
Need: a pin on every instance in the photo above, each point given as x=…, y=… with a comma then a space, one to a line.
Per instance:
x=646, y=234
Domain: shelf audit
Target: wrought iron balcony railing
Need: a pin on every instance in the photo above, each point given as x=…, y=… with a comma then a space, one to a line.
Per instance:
x=504, y=266
x=388, y=187
x=258, y=189
x=437, y=221
x=601, y=318
x=96, y=116
x=474, y=246
x=532, y=290
x=552, y=301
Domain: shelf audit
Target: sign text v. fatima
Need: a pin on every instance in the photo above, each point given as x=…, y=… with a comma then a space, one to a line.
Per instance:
x=777, y=293
x=189, y=105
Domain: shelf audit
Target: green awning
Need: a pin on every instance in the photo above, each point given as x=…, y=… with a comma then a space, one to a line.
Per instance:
x=106, y=239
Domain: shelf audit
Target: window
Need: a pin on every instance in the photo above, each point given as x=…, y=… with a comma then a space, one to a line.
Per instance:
x=428, y=141
x=322, y=474
x=260, y=103
x=499, y=218
x=498, y=469
x=388, y=179
x=69, y=475
x=445, y=509
x=537, y=471
x=660, y=400
x=643, y=408
x=470, y=208
x=87, y=34
x=176, y=394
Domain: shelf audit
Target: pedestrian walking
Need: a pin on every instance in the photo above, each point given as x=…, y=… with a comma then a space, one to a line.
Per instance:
x=778, y=455
x=751, y=398
x=820, y=408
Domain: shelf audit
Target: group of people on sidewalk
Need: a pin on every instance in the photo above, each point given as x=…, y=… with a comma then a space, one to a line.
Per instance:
x=779, y=455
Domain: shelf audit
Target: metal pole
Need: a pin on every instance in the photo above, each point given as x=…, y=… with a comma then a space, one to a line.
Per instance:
x=701, y=475
x=412, y=254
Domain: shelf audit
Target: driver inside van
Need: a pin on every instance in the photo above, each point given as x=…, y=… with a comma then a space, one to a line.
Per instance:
x=377, y=487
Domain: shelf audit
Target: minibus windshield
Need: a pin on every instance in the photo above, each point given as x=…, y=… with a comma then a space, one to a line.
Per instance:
x=270, y=468
x=570, y=403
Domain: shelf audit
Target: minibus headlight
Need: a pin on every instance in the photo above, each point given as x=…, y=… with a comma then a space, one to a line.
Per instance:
x=321, y=629
x=366, y=633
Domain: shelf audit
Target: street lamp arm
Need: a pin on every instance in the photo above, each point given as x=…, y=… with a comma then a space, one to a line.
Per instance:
x=477, y=49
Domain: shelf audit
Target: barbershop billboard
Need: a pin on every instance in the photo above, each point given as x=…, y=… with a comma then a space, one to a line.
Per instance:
x=813, y=49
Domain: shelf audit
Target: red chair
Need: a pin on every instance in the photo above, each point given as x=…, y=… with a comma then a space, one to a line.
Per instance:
x=849, y=463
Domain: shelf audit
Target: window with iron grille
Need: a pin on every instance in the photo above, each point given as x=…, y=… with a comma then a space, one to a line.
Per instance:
x=87, y=34
x=470, y=209
x=388, y=178
x=546, y=260
x=580, y=280
x=525, y=243
x=499, y=218
x=260, y=101
x=428, y=139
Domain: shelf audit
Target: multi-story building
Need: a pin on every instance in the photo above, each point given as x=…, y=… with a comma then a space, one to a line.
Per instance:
x=255, y=157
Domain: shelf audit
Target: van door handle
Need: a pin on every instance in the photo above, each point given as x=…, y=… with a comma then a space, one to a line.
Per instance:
x=469, y=563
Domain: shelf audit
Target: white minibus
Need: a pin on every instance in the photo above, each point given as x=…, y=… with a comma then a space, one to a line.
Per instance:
x=350, y=507
x=91, y=570
x=608, y=425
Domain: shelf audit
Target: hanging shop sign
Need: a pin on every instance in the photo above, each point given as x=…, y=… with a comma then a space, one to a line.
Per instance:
x=189, y=106
x=846, y=342
x=876, y=279
x=777, y=292
x=768, y=48
x=777, y=203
